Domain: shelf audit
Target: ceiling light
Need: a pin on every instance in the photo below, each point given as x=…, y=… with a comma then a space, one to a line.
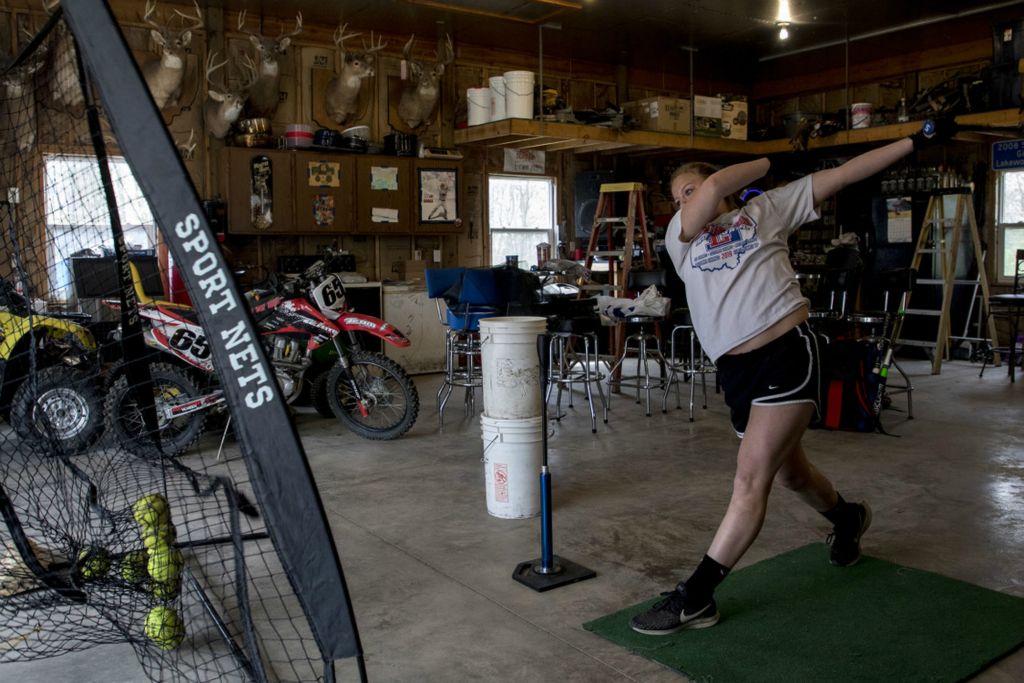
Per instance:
x=783, y=16
x=783, y=31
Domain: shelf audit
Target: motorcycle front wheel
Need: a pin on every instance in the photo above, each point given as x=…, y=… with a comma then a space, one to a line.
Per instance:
x=390, y=402
x=63, y=406
x=126, y=424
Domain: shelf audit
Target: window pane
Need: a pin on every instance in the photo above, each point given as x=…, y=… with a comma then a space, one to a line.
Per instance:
x=1013, y=239
x=520, y=203
x=521, y=244
x=1011, y=197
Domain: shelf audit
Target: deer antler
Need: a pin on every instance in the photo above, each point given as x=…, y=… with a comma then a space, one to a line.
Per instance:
x=340, y=37
x=298, y=27
x=148, y=16
x=445, y=54
x=241, y=24
x=249, y=67
x=371, y=48
x=197, y=20
x=188, y=147
x=407, y=50
x=211, y=67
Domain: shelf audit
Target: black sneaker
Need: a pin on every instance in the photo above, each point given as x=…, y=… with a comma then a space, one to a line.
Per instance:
x=673, y=614
x=845, y=536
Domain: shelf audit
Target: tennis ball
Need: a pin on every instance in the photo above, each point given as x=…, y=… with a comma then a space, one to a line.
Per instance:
x=165, y=590
x=133, y=566
x=162, y=535
x=165, y=564
x=164, y=627
x=151, y=510
x=93, y=563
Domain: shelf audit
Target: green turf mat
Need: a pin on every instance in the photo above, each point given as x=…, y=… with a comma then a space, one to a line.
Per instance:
x=796, y=618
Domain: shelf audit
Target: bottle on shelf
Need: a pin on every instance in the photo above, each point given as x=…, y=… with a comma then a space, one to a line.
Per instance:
x=901, y=111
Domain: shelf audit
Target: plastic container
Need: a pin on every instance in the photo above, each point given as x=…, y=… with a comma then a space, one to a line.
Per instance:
x=860, y=115
x=511, y=368
x=497, y=97
x=479, y=105
x=298, y=135
x=519, y=94
x=513, y=453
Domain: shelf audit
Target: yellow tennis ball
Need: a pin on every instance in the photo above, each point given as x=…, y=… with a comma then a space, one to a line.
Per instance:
x=165, y=590
x=164, y=627
x=93, y=563
x=165, y=564
x=162, y=535
x=151, y=510
x=133, y=566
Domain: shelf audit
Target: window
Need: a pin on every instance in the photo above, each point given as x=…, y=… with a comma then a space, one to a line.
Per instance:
x=1009, y=221
x=521, y=213
x=77, y=220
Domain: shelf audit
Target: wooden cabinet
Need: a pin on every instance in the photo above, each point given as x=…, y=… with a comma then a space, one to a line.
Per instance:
x=437, y=196
x=383, y=191
x=324, y=192
x=259, y=189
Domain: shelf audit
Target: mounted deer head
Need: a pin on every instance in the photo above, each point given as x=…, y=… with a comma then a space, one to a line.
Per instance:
x=224, y=105
x=265, y=93
x=165, y=73
x=419, y=97
x=66, y=90
x=20, y=99
x=343, y=89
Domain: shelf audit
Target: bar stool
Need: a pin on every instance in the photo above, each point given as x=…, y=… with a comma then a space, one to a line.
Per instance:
x=644, y=345
x=569, y=367
x=468, y=296
x=691, y=366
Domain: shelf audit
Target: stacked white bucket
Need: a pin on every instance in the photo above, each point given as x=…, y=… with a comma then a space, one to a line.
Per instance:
x=509, y=96
x=511, y=424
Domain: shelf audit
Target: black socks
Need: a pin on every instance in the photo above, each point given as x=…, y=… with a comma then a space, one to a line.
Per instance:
x=839, y=512
x=705, y=578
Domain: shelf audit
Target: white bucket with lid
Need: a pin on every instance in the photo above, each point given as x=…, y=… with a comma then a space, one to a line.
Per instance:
x=511, y=368
x=497, y=97
x=860, y=115
x=513, y=454
x=519, y=94
x=478, y=101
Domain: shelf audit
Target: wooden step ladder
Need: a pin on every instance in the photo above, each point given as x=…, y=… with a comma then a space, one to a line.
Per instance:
x=634, y=225
x=932, y=240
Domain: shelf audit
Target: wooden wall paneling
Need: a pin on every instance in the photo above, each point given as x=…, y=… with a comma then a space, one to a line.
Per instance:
x=581, y=94
x=393, y=250
x=316, y=65
x=365, y=250
x=603, y=94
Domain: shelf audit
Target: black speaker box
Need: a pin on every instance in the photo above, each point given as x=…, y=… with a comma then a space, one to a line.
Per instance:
x=588, y=185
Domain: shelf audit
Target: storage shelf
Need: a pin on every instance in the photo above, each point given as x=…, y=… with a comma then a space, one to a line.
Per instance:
x=570, y=137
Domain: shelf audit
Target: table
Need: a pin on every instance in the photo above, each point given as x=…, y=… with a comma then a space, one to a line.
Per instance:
x=1014, y=303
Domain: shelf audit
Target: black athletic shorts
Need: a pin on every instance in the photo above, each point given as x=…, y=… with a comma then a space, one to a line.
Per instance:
x=785, y=370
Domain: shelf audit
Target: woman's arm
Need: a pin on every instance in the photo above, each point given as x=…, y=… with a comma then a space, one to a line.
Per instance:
x=703, y=206
x=826, y=183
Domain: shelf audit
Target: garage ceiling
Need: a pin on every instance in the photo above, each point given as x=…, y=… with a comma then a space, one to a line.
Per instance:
x=635, y=32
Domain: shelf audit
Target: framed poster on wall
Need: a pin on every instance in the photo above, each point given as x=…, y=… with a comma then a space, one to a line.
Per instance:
x=438, y=195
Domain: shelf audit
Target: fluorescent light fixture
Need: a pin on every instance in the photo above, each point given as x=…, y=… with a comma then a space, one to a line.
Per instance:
x=783, y=32
x=784, y=16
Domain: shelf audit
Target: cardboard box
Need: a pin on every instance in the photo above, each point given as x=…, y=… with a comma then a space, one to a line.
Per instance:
x=662, y=114
x=707, y=116
x=735, y=117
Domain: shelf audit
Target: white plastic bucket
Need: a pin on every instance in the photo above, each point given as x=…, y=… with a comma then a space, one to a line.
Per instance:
x=860, y=115
x=497, y=97
x=511, y=368
x=479, y=103
x=519, y=94
x=513, y=454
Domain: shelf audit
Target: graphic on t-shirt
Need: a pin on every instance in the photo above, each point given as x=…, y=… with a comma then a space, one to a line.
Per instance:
x=723, y=246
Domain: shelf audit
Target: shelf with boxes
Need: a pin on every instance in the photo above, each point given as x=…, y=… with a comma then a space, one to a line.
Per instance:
x=295, y=192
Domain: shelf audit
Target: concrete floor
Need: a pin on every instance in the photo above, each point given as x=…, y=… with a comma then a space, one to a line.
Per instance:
x=430, y=571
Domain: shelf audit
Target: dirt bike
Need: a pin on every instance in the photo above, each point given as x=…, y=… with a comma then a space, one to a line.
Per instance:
x=367, y=392
x=58, y=401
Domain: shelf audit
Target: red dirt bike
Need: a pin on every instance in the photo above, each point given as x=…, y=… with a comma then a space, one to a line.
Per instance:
x=298, y=319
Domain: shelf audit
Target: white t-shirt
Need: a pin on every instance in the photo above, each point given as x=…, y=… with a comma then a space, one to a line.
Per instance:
x=739, y=280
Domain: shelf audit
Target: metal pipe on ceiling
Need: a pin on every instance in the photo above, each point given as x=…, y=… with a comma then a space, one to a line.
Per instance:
x=893, y=29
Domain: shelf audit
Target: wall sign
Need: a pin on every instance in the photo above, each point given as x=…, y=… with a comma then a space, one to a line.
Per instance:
x=524, y=161
x=1007, y=155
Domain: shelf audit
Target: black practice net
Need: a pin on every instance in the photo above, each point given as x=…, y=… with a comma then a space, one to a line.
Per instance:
x=129, y=514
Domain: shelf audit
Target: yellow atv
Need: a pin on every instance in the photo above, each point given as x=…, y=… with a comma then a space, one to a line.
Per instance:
x=58, y=402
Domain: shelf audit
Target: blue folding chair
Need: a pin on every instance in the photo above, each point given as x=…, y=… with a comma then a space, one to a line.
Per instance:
x=468, y=295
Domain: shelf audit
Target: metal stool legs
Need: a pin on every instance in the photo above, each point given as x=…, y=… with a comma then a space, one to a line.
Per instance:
x=646, y=349
x=462, y=349
x=568, y=368
x=694, y=365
